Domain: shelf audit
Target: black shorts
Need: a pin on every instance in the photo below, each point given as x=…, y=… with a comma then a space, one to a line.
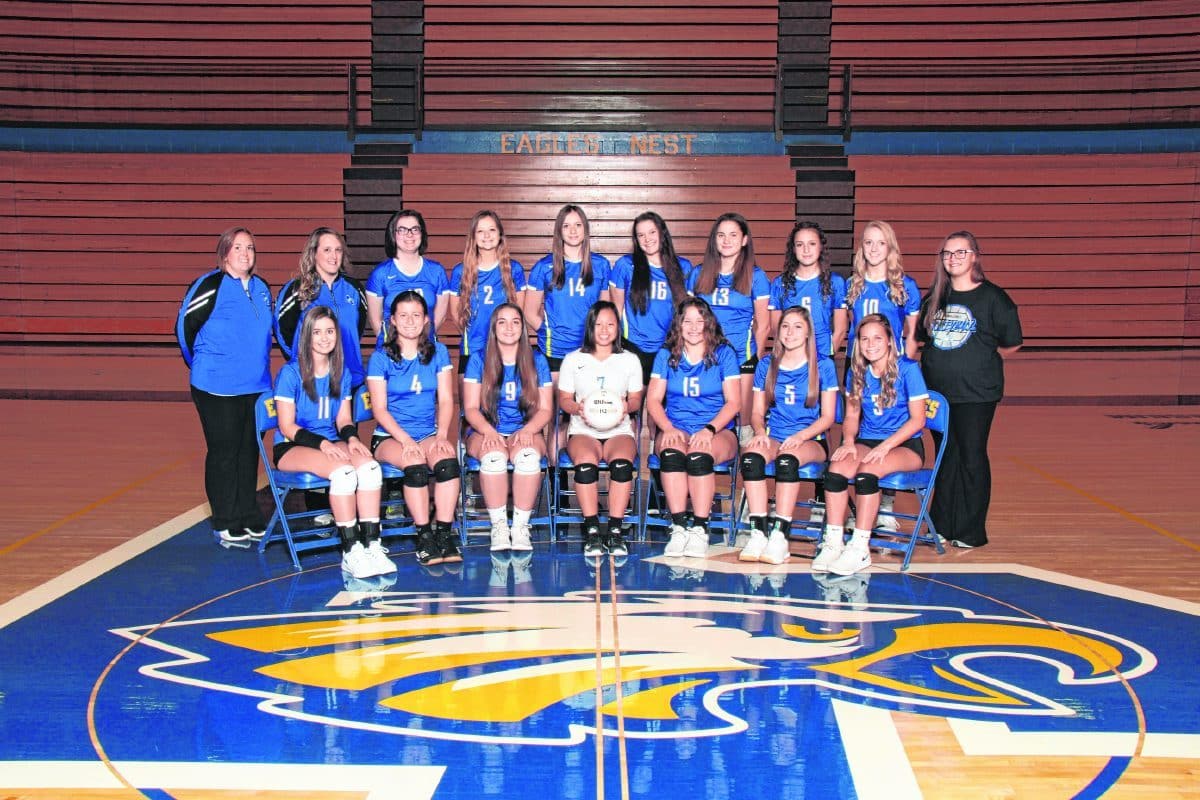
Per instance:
x=554, y=363
x=462, y=364
x=917, y=445
x=749, y=365
x=646, y=359
x=281, y=448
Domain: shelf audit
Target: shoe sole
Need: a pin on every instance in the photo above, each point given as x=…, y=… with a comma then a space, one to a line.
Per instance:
x=749, y=557
x=854, y=571
x=453, y=558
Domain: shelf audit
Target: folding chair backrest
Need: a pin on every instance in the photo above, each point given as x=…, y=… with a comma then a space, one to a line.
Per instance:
x=265, y=418
x=937, y=412
x=361, y=406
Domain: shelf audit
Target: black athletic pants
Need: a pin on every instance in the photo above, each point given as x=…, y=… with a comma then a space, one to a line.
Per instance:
x=963, y=490
x=231, y=466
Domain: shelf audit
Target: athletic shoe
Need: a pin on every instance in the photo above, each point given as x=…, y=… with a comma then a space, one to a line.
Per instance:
x=754, y=547
x=963, y=545
x=697, y=543
x=255, y=534
x=593, y=543
x=232, y=535
x=379, y=558
x=776, y=550
x=614, y=542
x=521, y=537
x=323, y=520
x=451, y=551
x=428, y=550
x=830, y=550
x=501, y=537
x=817, y=515
x=243, y=545
x=678, y=540
x=854, y=558
x=357, y=562
x=885, y=521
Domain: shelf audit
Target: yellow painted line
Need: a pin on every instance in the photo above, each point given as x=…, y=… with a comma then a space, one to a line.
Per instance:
x=74, y=515
x=1100, y=501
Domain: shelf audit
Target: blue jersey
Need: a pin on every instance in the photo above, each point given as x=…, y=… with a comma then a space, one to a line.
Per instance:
x=317, y=416
x=880, y=423
x=349, y=304
x=224, y=333
x=489, y=293
x=387, y=281
x=411, y=389
x=807, y=293
x=735, y=311
x=647, y=330
x=508, y=409
x=875, y=299
x=789, y=415
x=695, y=392
x=566, y=308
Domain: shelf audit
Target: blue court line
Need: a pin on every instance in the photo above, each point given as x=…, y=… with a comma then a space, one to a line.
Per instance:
x=1105, y=779
x=667, y=144
x=156, y=794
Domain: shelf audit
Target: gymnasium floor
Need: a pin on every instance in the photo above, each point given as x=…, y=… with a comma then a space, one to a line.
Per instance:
x=139, y=659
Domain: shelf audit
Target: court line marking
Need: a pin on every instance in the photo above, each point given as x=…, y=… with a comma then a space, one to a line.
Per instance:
x=622, y=756
x=879, y=766
x=92, y=506
x=599, y=738
x=1100, y=501
x=40, y=596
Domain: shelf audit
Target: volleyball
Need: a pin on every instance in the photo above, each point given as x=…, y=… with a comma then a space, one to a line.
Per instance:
x=603, y=410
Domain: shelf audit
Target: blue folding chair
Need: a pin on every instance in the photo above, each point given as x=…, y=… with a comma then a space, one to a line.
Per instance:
x=470, y=516
x=720, y=520
x=920, y=483
x=283, y=483
x=392, y=525
x=564, y=464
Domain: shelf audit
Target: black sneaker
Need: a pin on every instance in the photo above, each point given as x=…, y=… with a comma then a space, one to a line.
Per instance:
x=429, y=550
x=594, y=543
x=614, y=542
x=451, y=551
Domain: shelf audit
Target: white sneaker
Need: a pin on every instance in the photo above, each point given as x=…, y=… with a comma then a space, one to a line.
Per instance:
x=817, y=515
x=884, y=521
x=854, y=558
x=830, y=549
x=776, y=551
x=501, y=536
x=754, y=547
x=323, y=520
x=378, y=557
x=521, y=537
x=697, y=543
x=678, y=540
x=357, y=562
x=232, y=535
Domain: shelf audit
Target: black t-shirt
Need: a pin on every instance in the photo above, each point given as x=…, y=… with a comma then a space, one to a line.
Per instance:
x=960, y=359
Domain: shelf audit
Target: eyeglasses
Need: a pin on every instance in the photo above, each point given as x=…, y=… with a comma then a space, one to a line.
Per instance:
x=947, y=255
x=403, y=231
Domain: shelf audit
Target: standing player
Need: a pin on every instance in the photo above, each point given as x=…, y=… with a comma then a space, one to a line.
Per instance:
x=317, y=434
x=693, y=398
x=738, y=293
x=412, y=398
x=486, y=278
x=406, y=268
x=600, y=364
x=807, y=281
x=563, y=285
x=646, y=286
x=969, y=326
x=795, y=399
x=885, y=414
x=507, y=402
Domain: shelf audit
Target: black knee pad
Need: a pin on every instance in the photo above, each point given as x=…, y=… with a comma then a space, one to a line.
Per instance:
x=672, y=460
x=416, y=476
x=446, y=470
x=699, y=464
x=866, y=483
x=621, y=470
x=587, y=473
x=787, y=469
x=835, y=482
x=754, y=467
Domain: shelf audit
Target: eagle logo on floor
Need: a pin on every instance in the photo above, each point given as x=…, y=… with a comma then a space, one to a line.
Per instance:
x=525, y=669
